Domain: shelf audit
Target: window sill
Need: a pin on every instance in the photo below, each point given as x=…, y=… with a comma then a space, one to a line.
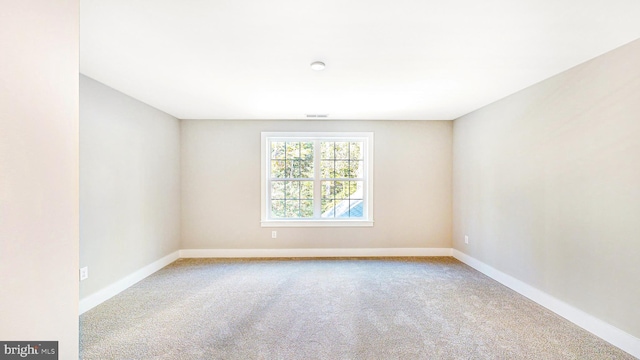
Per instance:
x=316, y=223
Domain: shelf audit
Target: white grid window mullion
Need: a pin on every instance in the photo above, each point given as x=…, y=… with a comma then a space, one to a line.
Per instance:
x=316, y=139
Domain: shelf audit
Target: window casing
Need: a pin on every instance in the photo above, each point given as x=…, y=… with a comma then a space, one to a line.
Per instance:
x=317, y=179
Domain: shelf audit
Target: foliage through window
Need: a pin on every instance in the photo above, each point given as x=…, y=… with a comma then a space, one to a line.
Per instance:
x=317, y=177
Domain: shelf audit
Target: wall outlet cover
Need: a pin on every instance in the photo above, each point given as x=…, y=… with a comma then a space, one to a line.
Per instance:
x=84, y=273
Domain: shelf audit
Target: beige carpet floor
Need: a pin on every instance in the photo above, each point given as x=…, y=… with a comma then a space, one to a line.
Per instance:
x=384, y=308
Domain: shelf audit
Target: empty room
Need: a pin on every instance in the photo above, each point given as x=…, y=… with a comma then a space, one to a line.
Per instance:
x=320, y=180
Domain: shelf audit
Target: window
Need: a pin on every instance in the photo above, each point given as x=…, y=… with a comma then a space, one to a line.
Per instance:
x=317, y=179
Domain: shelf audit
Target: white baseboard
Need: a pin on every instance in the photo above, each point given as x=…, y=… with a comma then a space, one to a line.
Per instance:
x=274, y=253
x=114, y=289
x=607, y=332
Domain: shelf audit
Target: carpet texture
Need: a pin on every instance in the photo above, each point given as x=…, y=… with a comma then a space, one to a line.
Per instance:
x=382, y=308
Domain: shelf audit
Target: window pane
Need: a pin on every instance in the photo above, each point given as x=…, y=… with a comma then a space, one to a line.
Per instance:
x=355, y=169
x=341, y=209
x=328, y=190
x=277, y=208
x=341, y=189
x=292, y=208
x=356, y=209
x=355, y=150
x=306, y=151
x=293, y=150
x=327, y=209
x=326, y=169
x=306, y=189
x=292, y=189
x=277, y=189
x=342, y=168
x=296, y=168
x=277, y=169
x=277, y=150
x=306, y=208
x=327, y=150
x=292, y=169
x=355, y=190
x=306, y=169
x=342, y=150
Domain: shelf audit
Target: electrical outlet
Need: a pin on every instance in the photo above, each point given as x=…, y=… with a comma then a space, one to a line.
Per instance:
x=84, y=273
x=466, y=239
x=274, y=234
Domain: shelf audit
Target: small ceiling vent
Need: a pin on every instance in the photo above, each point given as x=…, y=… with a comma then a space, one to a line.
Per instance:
x=317, y=115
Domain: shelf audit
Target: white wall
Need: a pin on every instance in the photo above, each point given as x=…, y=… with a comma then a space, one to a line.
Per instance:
x=221, y=187
x=39, y=172
x=129, y=185
x=547, y=186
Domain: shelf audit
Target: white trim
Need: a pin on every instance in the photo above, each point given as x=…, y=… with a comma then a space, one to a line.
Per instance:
x=117, y=287
x=264, y=169
x=367, y=137
x=607, y=332
x=312, y=135
x=316, y=223
x=314, y=252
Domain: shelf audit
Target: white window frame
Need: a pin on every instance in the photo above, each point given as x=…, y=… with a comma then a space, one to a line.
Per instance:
x=365, y=137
